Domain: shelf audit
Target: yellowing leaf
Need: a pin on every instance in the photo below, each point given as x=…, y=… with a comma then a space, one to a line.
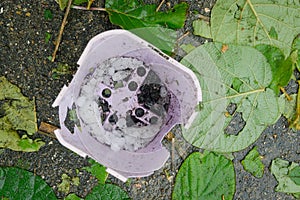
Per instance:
x=17, y=113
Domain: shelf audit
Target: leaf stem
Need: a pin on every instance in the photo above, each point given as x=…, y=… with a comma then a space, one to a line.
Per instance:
x=63, y=24
x=288, y=97
x=258, y=20
x=237, y=95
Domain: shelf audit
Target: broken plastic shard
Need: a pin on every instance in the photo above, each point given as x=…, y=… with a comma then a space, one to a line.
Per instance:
x=128, y=95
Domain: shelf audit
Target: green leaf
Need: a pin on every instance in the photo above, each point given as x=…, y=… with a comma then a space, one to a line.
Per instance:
x=294, y=174
x=281, y=170
x=72, y=197
x=202, y=28
x=291, y=109
x=48, y=14
x=130, y=14
x=218, y=74
x=187, y=47
x=282, y=69
x=107, y=192
x=296, y=52
x=144, y=21
x=66, y=183
x=253, y=22
x=252, y=163
x=162, y=38
x=288, y=107
x=47, y=37
x=17, y=113
x=206, y=176
x=97, y=170
x=18, y=184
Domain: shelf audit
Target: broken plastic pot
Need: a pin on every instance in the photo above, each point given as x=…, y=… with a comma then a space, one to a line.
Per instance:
x=125, y=97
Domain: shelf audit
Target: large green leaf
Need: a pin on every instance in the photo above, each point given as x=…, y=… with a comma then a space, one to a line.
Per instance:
x=16, y=184
x=206, y=176
x=282, y=69
x=253, y=164
x=239, y=75
x=17, y=113
x=162, y=38
x=131, y=14
x=282, y=170
x=107, y=192
x=253, y=22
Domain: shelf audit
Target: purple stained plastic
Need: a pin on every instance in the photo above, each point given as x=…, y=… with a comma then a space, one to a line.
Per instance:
x=119, y=125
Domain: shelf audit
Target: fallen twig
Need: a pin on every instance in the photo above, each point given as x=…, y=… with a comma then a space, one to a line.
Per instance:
x=205, y=18
x=47, y=129
x=183, y=36
x=159, y=6
x=63, y=24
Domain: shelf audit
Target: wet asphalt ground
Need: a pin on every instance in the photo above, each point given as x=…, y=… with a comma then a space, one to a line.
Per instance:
x=24, y=62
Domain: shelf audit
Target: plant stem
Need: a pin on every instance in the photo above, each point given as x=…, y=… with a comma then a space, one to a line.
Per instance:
x=85, y=8
x=63, y=24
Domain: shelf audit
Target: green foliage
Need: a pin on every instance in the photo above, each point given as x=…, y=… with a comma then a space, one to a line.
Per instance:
x=60, y=70
x=296, y=52
x=107, y=192
x=144, y=21
x=282, y=69
x=202, y=28
x=206, y=176
x=16, y=184
x=72, y=197
x=253, y=22
x=187, y=47
x=66, y=183
x=130, y=14
x=47, y=37
x=294, y=174
x=287, y=175
x=97, y=170
x=17, y=113
x=48, y=14
x=239, y=75
x=162, y=38
x=291, y=109
x=252, y=163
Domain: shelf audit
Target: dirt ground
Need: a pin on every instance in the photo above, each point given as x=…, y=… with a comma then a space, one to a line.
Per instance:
x=24, y=62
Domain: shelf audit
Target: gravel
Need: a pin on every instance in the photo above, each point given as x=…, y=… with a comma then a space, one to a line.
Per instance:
x=24, y=62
